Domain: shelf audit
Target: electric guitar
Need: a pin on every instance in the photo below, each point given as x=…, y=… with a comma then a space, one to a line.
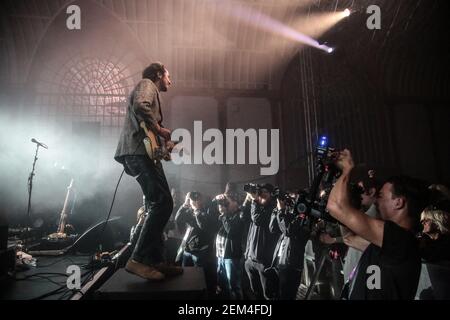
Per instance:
x=61, y=232
x=157, y=149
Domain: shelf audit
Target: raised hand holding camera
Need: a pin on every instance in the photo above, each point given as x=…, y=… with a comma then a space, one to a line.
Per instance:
x=250, y=197
x=187, y=201
x=252, y=190
x=345, y=161
x=195, y=206
x=280, y=204
x=195, y=201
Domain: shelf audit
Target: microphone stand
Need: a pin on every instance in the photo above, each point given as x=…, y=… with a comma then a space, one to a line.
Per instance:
x=30, y=187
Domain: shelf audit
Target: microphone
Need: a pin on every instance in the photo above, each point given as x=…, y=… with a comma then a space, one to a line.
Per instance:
x=39, y=143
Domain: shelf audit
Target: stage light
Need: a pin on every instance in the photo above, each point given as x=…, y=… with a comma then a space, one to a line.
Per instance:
x=330, y=50
x=347, y=13
x=316, y=24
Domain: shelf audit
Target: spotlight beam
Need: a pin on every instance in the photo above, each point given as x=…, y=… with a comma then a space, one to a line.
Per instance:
x=262, y=21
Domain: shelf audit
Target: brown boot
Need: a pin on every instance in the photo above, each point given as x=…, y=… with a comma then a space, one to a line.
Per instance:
x=168, y=270
x=144, y=271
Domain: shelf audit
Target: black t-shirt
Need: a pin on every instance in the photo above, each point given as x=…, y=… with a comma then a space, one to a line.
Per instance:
x=435, y=250
x=390, y=272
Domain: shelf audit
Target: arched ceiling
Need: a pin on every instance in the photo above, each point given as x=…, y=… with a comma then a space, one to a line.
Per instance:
x=206, y=47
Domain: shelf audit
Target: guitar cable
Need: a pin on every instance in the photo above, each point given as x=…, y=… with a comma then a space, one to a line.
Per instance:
x=114, y=198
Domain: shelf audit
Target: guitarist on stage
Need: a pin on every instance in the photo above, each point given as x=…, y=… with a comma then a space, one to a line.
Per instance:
x=147, y=260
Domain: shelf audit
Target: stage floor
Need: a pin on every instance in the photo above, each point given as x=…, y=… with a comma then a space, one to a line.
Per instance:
x=125, y=286
x=45, y=281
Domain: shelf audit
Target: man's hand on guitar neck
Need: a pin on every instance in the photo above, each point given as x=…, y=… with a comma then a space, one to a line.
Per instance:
x=164, y=132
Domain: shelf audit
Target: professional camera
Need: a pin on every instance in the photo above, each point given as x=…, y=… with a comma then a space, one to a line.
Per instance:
x=252, y=187
x=316, y=209
x=313, y=202
x=283, y=196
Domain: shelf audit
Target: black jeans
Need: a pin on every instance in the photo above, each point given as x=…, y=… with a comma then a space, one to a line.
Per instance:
x=289, y=282
x=150, y=246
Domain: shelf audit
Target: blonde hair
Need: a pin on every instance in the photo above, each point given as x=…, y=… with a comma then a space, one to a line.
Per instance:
x=438, y=217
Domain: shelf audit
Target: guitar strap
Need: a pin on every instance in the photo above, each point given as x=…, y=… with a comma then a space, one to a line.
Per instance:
x=160, y=109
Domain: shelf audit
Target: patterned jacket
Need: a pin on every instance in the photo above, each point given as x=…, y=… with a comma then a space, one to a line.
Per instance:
x=144, y=105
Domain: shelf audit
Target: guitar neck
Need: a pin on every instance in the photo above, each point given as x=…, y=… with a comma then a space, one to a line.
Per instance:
x=62, y=220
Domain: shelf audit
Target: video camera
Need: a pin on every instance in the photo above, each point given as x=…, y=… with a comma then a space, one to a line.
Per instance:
x=313, y=202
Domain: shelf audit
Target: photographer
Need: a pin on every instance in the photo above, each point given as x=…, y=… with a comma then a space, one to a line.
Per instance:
x=389, y=268
x=197, y=246
x=258, y=207
x=370, y=186
x=228, y=247
x=290, y=250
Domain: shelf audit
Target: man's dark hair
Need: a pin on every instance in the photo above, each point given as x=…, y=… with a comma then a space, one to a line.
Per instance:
x=268, y=187
x=355, y=195
x=370, y=181
x=415, y=192
x=195, y=195
x=154, y=71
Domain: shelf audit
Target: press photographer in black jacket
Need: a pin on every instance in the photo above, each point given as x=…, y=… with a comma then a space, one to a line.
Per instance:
x=228, y=247
x=257, y=209
x=290, y=250
x=197, y=247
